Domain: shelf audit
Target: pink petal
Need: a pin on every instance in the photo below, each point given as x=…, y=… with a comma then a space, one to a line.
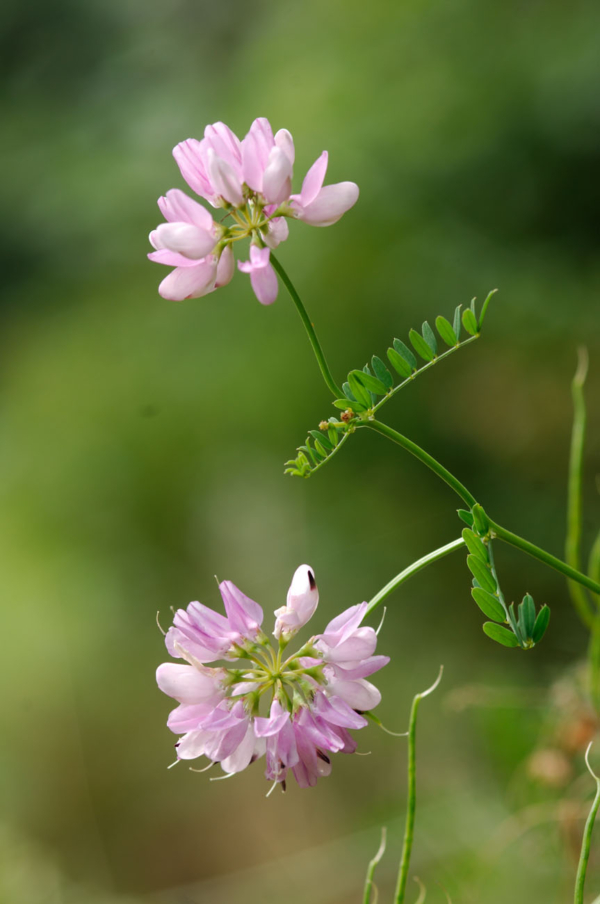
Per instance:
x=245, y=616
x=169, y=258
x=186, y=684
x=176, y=207
x=185, y=239
x=259, y=257
x=192, y=745
x=264, y=728
x=360, y=645
x=190, y=282
x=188, y=155
x=277, y=177
x=314, y=180
x=330, y=204
x=187, y=717
x=342, y=626
x=264, y=283
x=337, y=712
x=284, y=140
x=278, y=232
x=225, y=144
x=242, y=756
x=364, y=669
x=177, y=643
x=224, y=179
x=225, y=267
x=256, y=147
x=360, y=694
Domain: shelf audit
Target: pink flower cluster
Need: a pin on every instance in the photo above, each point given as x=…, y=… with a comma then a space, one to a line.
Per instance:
x=295, y=710
x=251, y=180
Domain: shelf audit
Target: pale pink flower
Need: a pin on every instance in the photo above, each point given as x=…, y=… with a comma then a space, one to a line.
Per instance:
x=318, y=694
x=252, y=180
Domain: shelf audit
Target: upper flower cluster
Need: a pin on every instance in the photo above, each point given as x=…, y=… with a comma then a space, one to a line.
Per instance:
x=296, y=711
x=252, y=180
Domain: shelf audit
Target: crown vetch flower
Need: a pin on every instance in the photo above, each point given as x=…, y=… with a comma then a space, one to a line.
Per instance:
x=317, y=695
x=252, y=181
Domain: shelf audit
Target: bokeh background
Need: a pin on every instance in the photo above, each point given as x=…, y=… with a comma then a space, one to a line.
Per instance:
x=142, y=442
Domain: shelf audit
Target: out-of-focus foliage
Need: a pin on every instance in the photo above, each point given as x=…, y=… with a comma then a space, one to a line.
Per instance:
x=141, y=453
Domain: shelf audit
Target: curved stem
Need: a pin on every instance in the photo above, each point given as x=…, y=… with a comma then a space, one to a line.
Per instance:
x=412, y=793
x=312, y=336
x=547, y=558
x=371, y=870
x=413, y=569
x=587, y=837
x=425, y=457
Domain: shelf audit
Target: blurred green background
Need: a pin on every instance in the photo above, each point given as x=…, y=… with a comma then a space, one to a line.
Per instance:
x=143, y=441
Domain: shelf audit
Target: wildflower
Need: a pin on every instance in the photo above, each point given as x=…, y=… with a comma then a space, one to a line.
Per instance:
x=297, y=711
x=252, y=181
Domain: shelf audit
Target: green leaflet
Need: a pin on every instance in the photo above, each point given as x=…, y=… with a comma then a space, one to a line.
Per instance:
x=500, y=634
x=488, y=604
x=429, y=337
x=320, y=437
x=457, y=321
x=372, y=384
x=399, y=363
x=358, y=391
x=527, y=615
x=446, y=331
x=381, y=372
x=406, y=353
x=466, y=516
x=541, y=623
x=470, y=322
x=475, y=545
x=481, y=573
x=421, y=346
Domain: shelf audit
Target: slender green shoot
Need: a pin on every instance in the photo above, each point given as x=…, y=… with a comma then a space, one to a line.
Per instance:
x=412, y=792
x=587, y=835
x=369, y=886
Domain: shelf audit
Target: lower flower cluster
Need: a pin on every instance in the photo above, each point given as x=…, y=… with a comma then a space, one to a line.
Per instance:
x=295, y=710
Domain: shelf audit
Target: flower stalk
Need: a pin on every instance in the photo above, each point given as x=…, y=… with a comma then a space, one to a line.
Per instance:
x=412, y=792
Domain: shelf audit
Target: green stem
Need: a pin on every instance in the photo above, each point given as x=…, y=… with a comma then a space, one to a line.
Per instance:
x=412, y=793
x=587, y=838
x=413, y=569
x=423, y=456
x=312, y=336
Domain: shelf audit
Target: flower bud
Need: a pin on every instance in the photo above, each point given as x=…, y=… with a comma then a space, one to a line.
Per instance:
x=302, y=600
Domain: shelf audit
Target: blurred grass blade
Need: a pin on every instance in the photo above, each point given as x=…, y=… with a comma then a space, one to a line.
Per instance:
x=578, y=594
